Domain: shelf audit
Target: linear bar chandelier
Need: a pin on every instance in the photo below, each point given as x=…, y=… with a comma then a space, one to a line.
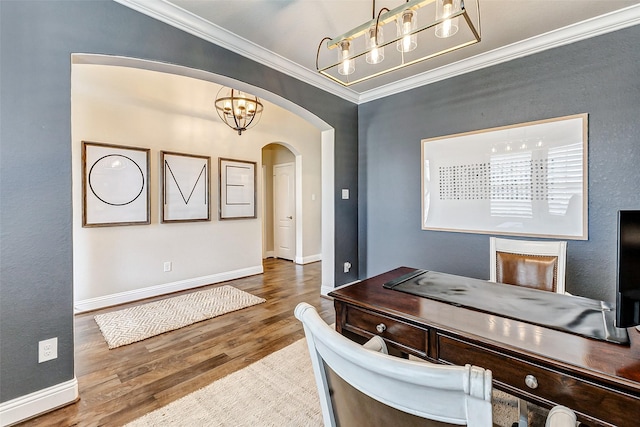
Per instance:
x=445, y=26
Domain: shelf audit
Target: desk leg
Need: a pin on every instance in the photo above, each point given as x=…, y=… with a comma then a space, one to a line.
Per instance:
x=340, y=316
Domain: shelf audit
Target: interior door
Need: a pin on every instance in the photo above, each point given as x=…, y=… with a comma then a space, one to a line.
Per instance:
x=284, y=234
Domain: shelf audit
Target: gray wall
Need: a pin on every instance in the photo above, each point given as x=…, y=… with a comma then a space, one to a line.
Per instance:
x=37, y=40
x=599, y=76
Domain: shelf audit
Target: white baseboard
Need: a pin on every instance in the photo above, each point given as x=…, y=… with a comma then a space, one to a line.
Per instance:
x=309, y=259
x=39, y=402
x=166, y=288
x=325, y=290
x=269, y=254
x=298, y=260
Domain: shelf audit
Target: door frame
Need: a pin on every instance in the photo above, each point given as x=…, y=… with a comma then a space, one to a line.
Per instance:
x=299, y=258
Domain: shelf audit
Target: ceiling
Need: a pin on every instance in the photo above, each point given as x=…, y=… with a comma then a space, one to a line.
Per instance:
x=285, y=34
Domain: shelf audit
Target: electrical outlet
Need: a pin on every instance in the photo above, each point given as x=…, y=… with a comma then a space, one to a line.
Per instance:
x=48, y=349
x=167, y=266
x=347, y=267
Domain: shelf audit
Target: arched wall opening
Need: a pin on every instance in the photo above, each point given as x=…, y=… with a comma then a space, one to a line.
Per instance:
x=326, y=140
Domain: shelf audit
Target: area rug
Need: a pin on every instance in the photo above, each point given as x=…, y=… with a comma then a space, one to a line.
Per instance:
x=137, y=323
x=278, y=390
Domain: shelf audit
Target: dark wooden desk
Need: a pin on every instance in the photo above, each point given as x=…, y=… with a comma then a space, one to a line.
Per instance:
x=598, y=380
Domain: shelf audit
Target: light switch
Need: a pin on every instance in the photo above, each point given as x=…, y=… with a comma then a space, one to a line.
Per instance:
x=345, y=193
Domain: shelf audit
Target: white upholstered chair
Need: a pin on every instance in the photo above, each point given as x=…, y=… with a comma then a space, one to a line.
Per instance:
x=364, y=386
x=533, y=264
x=360, y=387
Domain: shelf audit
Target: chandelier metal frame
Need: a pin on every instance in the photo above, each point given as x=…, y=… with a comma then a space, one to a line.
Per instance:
x=385, y=16
x=238, y=110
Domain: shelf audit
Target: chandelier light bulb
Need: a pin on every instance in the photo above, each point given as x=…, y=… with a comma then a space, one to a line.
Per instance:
x=444, y=9
x=347, y=66
x=407, y=22
x=241, y=100
x=373, y=40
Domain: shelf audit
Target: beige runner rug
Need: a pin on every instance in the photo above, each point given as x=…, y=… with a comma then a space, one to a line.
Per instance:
x=278, y=390
x=137, y=323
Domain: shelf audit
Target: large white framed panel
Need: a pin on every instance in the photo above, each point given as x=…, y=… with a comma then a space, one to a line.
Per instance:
x=527, y=179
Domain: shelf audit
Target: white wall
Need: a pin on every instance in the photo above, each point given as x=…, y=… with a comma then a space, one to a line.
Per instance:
x=134, y=107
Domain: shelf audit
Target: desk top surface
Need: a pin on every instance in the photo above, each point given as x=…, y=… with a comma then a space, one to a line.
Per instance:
x=606, y=362
x=569, y=313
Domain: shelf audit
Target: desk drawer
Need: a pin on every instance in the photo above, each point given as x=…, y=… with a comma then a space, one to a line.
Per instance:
x=551, y=386
x=505, y=369
x=408, y=338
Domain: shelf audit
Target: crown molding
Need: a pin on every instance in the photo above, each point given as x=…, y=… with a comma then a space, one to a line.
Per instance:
x=599, y=25
x=186, y=21
x=192, y=24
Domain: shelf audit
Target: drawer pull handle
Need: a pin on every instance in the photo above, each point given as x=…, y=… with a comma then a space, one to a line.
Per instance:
x=531, y=381
x=381, y=327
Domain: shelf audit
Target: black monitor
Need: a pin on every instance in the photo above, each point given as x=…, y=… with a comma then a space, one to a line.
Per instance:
x=628, y=273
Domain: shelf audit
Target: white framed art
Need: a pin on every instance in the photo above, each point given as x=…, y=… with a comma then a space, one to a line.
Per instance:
x=527, y=179
x=115, y=185
x=237, y=189
x=185, y=187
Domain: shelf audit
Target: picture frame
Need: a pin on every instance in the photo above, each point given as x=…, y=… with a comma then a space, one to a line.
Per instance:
x=186, y=186
x=527, y=179
x=237, y=189
x=115, y=185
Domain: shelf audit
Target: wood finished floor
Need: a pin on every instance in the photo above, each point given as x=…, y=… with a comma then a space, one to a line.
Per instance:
x=117, y=386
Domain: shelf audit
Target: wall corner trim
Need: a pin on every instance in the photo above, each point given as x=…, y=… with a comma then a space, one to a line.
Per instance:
x=39, y=402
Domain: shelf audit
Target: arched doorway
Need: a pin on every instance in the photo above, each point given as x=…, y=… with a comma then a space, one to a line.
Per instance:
x=326, y=142
x=289, y=216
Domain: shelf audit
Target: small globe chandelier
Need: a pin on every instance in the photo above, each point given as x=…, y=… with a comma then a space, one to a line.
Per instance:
x=240, y=111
